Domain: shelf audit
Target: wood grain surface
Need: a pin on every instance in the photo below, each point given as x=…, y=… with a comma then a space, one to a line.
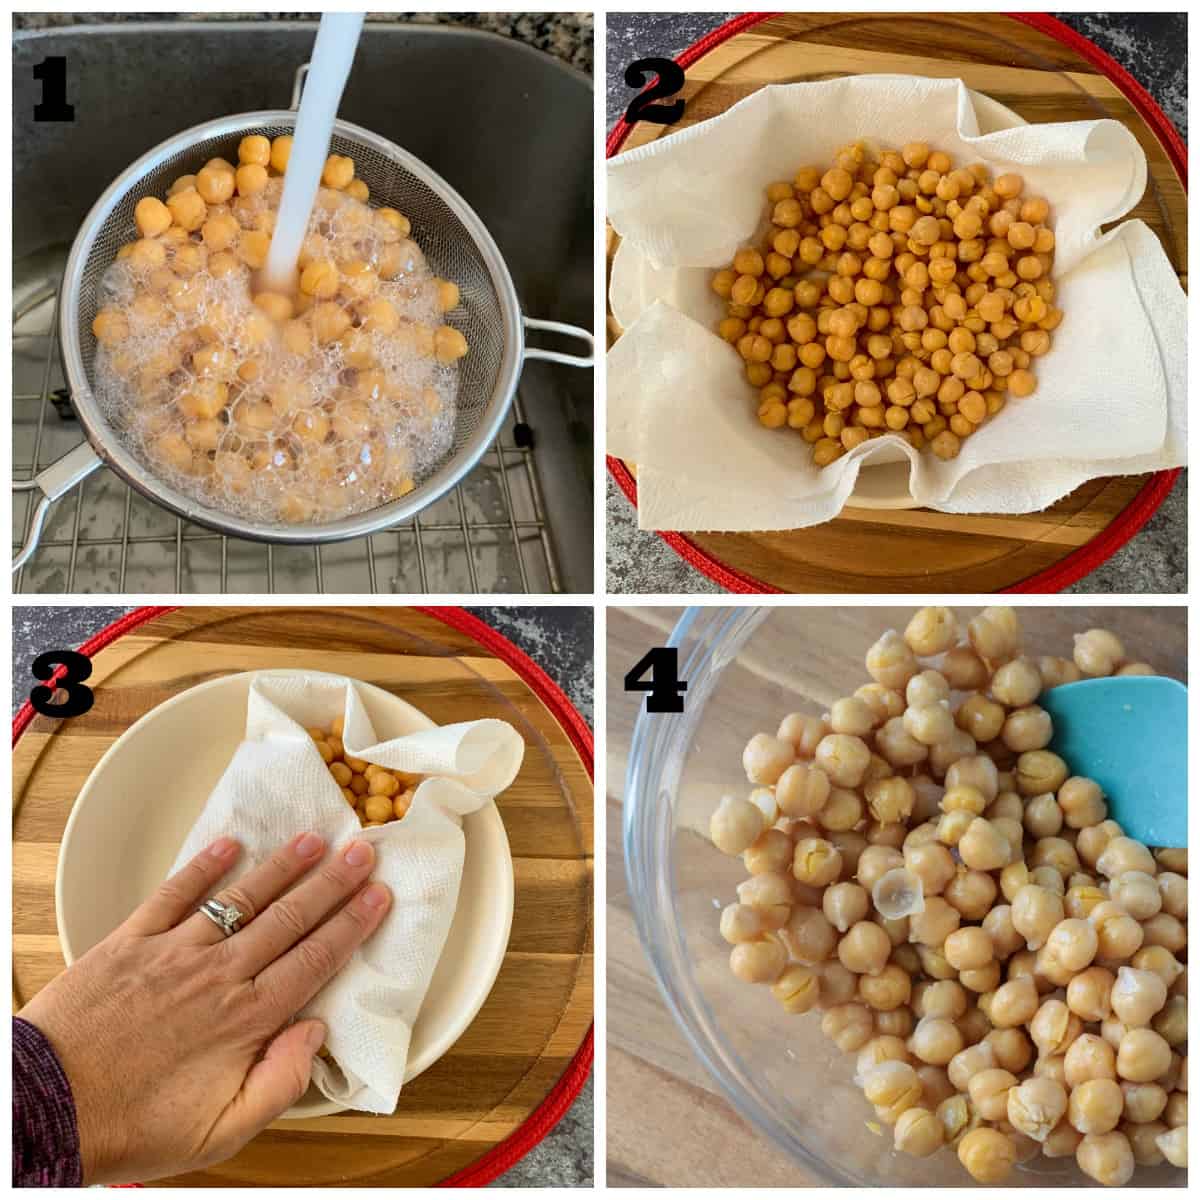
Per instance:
x=865, y=550
x=539, y=1011
x=669, y=1124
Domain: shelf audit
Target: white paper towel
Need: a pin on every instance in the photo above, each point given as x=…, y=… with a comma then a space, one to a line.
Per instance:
x=277, y=786
x=1111, y=396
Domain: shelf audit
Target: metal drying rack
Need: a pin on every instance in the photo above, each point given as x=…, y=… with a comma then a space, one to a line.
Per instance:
x=489, y=534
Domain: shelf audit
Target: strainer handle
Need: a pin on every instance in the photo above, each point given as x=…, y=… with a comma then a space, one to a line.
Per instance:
x=54, y=483
x=555, y=356
x=298, y=86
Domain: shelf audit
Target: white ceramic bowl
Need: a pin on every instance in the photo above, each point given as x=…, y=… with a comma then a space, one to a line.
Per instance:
x=134, y=812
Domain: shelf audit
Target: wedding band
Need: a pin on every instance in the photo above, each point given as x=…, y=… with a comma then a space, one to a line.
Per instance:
x=225, y=917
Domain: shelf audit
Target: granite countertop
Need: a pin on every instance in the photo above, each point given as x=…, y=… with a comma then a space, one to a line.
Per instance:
x=559, y=640
x=1153, y=48
x=568, y=36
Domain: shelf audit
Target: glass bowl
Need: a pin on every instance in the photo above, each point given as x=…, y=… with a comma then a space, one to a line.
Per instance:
x=745, y=669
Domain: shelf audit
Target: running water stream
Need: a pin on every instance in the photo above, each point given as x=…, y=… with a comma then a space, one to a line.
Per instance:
x=333, y=53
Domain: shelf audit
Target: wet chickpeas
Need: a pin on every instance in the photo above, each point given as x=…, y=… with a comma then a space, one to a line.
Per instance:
x=329, y=409
x=961, y=909
x=893, y=290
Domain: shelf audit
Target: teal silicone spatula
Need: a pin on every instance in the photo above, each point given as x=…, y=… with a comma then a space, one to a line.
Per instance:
x=1129, y=733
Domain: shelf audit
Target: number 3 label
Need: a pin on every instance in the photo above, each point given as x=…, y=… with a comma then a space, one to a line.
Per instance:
x=76, y=668
x=670, y=80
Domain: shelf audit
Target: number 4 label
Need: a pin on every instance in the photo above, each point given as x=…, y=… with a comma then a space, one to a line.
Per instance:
x=664, y=688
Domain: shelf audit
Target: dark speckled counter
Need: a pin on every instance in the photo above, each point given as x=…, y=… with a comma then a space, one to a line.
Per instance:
x=559, y=640
x=565, y=35
x=1153, y=49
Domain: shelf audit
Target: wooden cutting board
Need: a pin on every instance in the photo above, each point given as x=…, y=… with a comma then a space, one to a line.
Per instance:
x=668, y=1122
x=1042, y=80
x=540, y=1009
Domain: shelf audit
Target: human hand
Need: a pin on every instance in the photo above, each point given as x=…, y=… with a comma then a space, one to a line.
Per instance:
x=175, y=1038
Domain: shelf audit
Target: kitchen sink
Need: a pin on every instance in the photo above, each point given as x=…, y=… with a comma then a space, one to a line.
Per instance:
x=509, y=127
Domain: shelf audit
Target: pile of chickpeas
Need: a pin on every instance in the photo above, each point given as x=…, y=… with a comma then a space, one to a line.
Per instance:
x=1006, y=964
x=293, y=405
x=376, y=794
x=892, y=294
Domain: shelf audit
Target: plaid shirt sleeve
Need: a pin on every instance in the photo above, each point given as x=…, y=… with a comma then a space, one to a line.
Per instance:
x=45, y=1138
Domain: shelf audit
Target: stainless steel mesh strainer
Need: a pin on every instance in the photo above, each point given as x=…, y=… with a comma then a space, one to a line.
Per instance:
x=456, y=245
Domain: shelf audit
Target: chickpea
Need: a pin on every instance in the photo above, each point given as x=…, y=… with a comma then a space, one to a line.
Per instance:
x=741, y=923
x=934, y=925
x=931, y=631
x=918, y=1132
x=987, y=1154
x=890, y=800
x=1123, y=854
x=1173, y=1146
x=808, y=936
x=766, y=758
x=1172, y=859
x=1170, y=1022
x=735, y=825
x=1072, y=943
x=964, y=669
x=891, y=662
x=1062, y=1141
x=843, y=758
x=989, y=1091
x=929, y=723
x=850, y=1027
x=769, y=853
x=802, y=733
x=1014, y=1003
x=933, y=865
x=845, y=904
x=796, y=989
x=816, y=862
x=897, y=746
x=187, y=209
x=1095, y=1106
x=1173, y=898
x=977, y=771
x=753, y=962
x=1039, y=771
x=1137, y=996
x=110, y=326
x=935, y=1040
x=980, y=717
x=1143, y=1056
x=887, y=990
x=864, y=949
x=1098, y=652
x=151, y=216
x=1159, y=960
x=1081, y=802
x=1120, y=936
x=1144, y=1102
x=1165, y=930
x=1107, y=1158
x=1088, y=1057
x=983, y=847
x=968, y=949
x=449, y=344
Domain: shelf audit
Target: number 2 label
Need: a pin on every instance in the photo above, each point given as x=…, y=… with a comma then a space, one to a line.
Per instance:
x=670, y=80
